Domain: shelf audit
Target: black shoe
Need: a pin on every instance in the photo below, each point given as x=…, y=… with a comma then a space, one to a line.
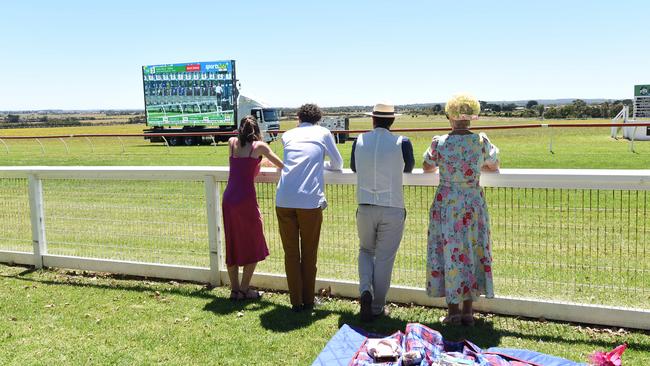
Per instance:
x=366, y=307
x=297, y=308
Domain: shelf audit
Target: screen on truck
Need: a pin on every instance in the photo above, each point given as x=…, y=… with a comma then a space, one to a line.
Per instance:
x=190, y=94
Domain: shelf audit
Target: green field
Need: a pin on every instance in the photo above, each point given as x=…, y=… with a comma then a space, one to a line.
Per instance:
x=575, y=245
x=523, y=148
x=78, y=318
x=588, y=246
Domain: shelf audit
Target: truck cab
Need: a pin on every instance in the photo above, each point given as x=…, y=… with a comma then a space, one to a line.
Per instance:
x=269, y=121
x=267, y=118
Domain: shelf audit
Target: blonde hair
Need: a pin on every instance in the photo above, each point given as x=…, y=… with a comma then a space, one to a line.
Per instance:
x=462, y=107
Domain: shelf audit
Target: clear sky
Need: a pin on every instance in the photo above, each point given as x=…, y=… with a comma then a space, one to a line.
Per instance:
x=88, y=54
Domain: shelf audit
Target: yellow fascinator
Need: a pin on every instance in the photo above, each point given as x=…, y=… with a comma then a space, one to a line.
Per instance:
x=463, y=107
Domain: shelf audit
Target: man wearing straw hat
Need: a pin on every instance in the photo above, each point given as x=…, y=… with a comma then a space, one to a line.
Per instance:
x=379, y=158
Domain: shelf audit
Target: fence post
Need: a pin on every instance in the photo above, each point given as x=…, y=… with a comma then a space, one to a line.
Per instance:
x=213, y=206
x=37, y=219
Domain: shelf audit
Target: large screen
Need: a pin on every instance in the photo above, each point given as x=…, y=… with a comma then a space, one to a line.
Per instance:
x=190, y=94
x=642, y=102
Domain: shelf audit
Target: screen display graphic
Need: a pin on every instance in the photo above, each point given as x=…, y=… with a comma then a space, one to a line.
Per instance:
x=190, y=94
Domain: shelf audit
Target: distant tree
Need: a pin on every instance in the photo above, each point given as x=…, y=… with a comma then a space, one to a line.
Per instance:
x=508, y=107
x=12, y=118
x=493, y=107
x=579, y=108
x=615, y=108
x=531, y=104
x=596, y=111
x=552, y=112
x=579, y=103
x=42, y=119
x=137, y=119
x=567, y=111
x=528, y=113
x=437, y=108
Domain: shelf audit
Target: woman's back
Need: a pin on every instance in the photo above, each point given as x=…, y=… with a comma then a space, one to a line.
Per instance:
x=458, y=251
x=244, y=167
x=460, y=157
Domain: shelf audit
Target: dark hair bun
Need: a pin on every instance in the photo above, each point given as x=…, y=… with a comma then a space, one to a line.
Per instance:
x=248, y=131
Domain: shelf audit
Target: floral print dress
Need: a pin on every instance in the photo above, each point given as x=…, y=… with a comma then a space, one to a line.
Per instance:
x=459, y=259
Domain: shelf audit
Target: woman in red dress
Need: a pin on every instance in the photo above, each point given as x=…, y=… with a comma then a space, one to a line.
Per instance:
x=242, y=220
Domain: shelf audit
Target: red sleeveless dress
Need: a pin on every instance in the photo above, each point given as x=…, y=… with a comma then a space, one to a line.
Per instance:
x=242, y=219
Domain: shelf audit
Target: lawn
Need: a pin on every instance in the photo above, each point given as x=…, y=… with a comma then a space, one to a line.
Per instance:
x=522, y=148
x=74, y=317
x=573, y=245
x=584, y=246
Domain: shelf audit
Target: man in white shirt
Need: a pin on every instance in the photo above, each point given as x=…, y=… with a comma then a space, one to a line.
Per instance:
x=379, y=158
x=300, y=200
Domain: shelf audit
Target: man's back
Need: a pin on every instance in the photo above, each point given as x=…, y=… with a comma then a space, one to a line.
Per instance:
x=379, y=160
x=301, y=183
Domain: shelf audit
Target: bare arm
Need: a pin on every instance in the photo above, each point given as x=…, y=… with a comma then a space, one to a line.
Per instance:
x=490, y=155
x=428, y=168
x=489, y=166
x=266, y=151
x=430, y=157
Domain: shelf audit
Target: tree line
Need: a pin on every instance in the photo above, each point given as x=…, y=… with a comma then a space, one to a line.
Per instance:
x=579, y=109
x=12, y=120
x=575, y=110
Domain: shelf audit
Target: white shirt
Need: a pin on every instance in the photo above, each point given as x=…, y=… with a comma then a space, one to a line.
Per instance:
x=302, y=184
x=380, y=164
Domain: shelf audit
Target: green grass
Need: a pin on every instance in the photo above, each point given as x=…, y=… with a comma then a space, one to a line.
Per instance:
x=68, y=317
x=574, y=245
x=588, y=246
x=523, y=148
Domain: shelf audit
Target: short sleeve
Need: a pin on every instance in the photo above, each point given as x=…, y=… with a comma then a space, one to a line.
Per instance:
x=431, y=155
x=490, y=152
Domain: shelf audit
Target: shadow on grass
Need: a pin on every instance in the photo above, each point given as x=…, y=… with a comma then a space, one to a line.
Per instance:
x=224, y=306
x=483, y=334
x=73, y=278
x=280, y=318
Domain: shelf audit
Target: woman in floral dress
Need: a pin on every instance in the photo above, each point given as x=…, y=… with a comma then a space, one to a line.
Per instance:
x=459, y=260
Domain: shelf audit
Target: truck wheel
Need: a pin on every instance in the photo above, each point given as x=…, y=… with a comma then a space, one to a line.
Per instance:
x=174, y=141
x=189, y=140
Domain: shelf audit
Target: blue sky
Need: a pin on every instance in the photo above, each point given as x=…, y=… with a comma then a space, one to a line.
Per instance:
x=88, y=54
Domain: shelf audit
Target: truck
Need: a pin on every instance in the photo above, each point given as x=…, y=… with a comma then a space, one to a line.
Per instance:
x=199, y=97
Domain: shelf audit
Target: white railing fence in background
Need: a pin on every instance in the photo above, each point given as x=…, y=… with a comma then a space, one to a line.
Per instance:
x=569, y=245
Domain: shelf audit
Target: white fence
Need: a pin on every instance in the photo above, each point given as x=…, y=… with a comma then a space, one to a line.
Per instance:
x=570, y=245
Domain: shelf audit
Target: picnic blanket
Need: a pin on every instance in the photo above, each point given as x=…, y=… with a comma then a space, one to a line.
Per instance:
x=349, y=347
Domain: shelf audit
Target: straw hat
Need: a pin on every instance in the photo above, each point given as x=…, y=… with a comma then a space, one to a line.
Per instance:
x=383, y=110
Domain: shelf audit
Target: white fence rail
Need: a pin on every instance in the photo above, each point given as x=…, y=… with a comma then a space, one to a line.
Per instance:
x=570, y=245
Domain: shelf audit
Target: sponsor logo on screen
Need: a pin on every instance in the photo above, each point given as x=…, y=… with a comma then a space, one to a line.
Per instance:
x=193, y=67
